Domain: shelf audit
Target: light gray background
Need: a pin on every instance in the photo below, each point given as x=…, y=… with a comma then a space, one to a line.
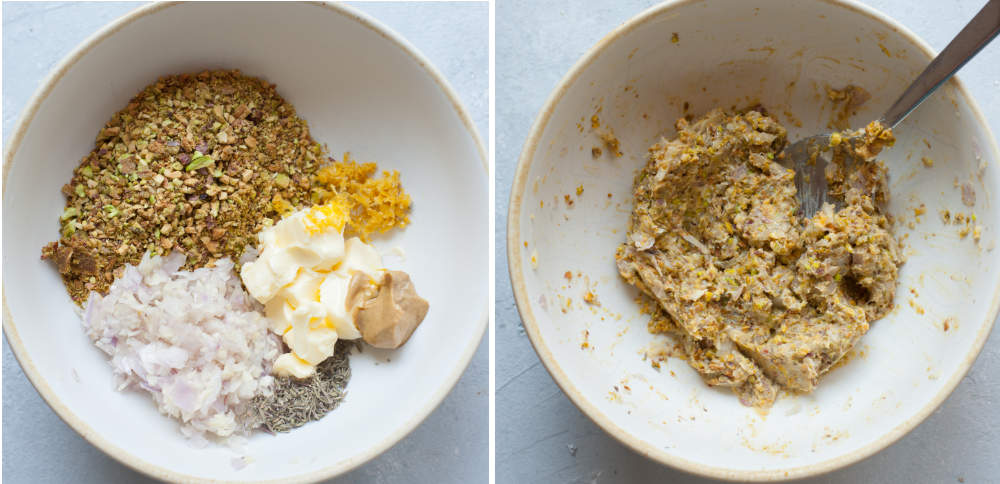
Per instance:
x=536, y=44
x=450, y=446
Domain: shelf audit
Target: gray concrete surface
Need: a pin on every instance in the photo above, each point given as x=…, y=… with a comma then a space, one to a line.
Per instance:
x=536, y=43
x=451, y=446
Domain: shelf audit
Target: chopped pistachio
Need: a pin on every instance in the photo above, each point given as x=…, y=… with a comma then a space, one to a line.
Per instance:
x=160, y=130
x=199, y=162
x=70, y=212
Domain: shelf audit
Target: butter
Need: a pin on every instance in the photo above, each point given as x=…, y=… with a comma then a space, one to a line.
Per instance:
x=303, y=277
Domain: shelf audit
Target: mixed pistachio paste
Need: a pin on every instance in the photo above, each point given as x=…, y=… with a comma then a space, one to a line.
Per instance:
x=758, y=297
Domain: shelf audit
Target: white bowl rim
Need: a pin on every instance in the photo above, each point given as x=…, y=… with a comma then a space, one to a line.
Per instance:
x=516, y=272
x=81, y=427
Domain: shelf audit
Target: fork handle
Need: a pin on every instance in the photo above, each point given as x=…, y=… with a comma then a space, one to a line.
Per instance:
x=976, y=34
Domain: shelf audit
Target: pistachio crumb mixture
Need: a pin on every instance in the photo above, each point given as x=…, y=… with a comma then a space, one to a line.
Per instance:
x=759, y=297
x=193, y=163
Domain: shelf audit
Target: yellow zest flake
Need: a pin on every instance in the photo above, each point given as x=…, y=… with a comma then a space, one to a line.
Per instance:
x=332, y=215
x=373, y=205
x=579, y=190
x=282, y=206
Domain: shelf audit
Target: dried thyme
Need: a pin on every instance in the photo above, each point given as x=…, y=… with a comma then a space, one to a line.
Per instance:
x=193, y=163
x=295, y=403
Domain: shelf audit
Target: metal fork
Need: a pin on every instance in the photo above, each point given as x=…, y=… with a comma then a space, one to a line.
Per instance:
x=805, y=156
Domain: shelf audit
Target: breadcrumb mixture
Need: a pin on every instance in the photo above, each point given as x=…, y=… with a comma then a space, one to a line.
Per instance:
x=759, y=297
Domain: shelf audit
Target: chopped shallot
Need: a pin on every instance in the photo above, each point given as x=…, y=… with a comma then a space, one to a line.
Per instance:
x=193, y=339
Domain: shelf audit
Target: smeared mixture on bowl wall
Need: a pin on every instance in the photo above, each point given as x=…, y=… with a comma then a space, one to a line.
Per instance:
x=758, y=297
x=202, y=170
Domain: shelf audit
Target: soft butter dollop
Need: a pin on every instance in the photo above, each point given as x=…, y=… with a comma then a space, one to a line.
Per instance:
x=303, y=277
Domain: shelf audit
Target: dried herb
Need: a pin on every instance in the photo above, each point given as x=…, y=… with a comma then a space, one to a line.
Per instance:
x=295, y=402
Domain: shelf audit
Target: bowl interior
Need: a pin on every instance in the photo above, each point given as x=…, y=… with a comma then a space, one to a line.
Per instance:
x=690, y=57
x=361, y=91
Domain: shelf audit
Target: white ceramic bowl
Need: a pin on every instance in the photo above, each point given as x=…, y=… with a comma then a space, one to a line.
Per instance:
x=362, y=89
x=737, y=53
